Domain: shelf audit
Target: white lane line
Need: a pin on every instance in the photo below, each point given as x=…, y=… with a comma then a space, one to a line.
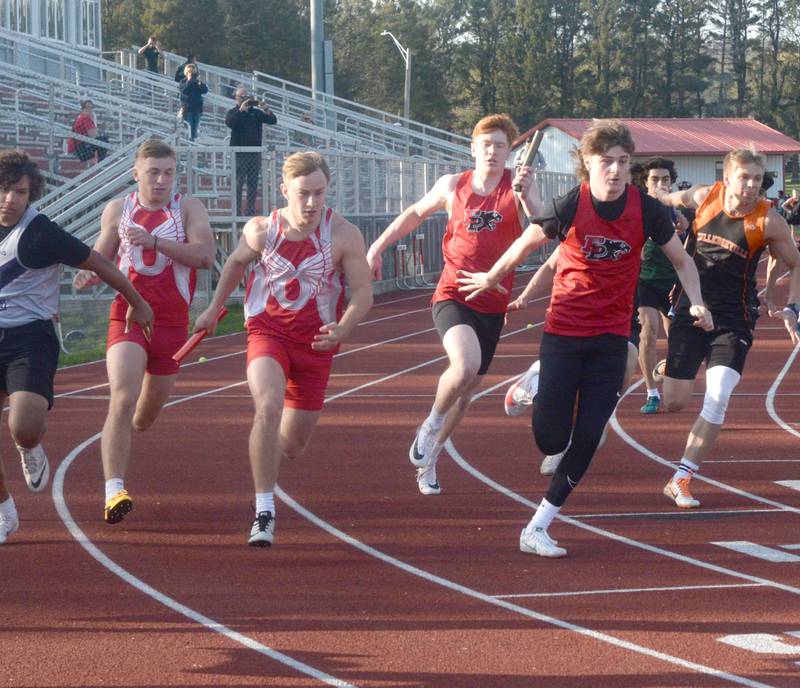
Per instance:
x=212, y=625
x=509, y=606
x=502, y=489
x=751, y=549
x=773, y=390
x=614, y=591
x=791, y=484
x=683, y=513
x=697, y=476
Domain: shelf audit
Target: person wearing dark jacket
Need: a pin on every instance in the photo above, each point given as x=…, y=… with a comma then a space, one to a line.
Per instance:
x=192, y=90
x=245, y=121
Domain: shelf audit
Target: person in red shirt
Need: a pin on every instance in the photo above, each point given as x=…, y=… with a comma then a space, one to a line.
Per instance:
x=601, y=225
x=160, y=239
x=84, y=125
x=485, y=216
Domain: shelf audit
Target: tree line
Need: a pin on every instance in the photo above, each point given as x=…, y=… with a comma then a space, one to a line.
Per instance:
x=531, y=58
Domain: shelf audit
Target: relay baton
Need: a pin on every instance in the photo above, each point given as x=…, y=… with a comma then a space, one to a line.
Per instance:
x=195, y=339
x=530, y=153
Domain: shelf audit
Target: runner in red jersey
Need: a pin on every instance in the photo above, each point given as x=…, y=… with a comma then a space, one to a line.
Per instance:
x=159, y=240
x=296, y=318
x=602, y=225
x=731, y=229
x=485, y=217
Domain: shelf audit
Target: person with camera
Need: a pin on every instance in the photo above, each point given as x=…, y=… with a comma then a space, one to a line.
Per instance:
x=192, y=90
x=151, y=50
x=84, y=125
x=245, y=121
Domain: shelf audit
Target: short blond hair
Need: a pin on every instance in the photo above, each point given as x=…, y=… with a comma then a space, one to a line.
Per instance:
x=155, y=148
x=497, y=122
x=743, y=156
x=304, y=163
x=602, y=135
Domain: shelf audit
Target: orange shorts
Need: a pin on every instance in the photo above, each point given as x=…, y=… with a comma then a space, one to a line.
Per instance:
x=165, y=341
x=306, y=371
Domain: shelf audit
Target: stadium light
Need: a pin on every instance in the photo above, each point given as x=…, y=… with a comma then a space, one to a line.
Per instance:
x=406, y=53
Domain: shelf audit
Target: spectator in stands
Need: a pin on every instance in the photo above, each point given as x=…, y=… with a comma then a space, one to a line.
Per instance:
x=151, y=50
x=84, y=125
x=245, y=121
x=192, y=90
x=191, y=58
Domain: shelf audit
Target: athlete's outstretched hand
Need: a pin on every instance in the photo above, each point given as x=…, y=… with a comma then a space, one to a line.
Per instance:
x=475, y=283
x=329, y=337
x=702, y=318
x=517, y=304
x=85, y=279
x=790, y=321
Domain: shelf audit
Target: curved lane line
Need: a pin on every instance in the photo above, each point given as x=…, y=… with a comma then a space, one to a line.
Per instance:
x=773, y=390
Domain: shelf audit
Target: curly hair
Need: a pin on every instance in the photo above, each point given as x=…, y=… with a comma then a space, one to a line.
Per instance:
x=16, y=164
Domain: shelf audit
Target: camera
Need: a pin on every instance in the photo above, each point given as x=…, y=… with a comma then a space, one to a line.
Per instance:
x=251, y=101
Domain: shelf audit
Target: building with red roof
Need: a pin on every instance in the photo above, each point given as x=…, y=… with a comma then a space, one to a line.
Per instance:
x=697, y=146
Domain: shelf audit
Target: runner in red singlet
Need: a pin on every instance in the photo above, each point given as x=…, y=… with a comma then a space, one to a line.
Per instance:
x=485, y=217
x=296, y=318
x=159, y=239
x=602, y=225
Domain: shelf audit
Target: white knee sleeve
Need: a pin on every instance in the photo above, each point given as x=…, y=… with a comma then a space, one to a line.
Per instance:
x=720, y=383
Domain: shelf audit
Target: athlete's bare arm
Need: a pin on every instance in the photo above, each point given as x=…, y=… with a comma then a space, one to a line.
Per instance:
x=529, y=202
x=692, y=197
x=438, y=198
x=690, y=280
x=107, y=243
x=198, y=249
x=539, y=284
x=350, y=256
x=781, y=245
x=249, y=249
x=475, y=283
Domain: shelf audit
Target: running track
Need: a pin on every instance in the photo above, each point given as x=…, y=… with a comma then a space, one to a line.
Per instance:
x=372, y=584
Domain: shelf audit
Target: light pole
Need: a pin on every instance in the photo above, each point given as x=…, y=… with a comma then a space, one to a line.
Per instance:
x=406, y=53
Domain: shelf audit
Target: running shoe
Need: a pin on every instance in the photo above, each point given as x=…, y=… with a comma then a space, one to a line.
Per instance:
x=678, y=491
x=35, y=467
x=427, y=482
x=521, y=394
x=8, y=525
x=537, y=541
x=117, y=507
x=262, y=532
x=651, y=405
x=550, y=463
x=419, y=453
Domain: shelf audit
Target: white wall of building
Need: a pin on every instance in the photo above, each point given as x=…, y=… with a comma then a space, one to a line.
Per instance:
x=74, y=22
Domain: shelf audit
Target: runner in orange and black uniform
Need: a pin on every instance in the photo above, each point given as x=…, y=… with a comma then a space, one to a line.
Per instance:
x=602, y=225
x=731, y=229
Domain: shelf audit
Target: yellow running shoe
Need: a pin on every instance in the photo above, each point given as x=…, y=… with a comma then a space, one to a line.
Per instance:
x=118, y=507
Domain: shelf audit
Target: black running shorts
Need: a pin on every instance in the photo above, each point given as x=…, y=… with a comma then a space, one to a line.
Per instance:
x=487, y=326
x=653, y=297
x=29, y=358
x=688, y=346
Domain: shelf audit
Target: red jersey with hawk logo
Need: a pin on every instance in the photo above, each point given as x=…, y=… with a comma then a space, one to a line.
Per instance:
x=597, y=271
x=479, y=231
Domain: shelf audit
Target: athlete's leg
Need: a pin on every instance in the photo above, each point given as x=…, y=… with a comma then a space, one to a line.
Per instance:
x=687, y=347
x=27, y=418
x=297, y=426
x=649, y=318
x=155, y=393
x=125, y=363
x=267, y=381
x=4, y=493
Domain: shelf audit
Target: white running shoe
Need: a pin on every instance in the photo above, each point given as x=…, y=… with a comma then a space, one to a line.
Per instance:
x=550, y=463
x=419, y=453
x=427, y=481
x=678, y=490
x=35, y=467
x=537, y=541
x=262, y=532
x=8, y=525
x=521, y=394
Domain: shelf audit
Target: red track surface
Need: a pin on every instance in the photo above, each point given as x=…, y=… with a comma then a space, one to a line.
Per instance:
x=387, y=587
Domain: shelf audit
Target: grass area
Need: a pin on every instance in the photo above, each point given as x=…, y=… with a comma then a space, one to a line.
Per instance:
x=91, y=345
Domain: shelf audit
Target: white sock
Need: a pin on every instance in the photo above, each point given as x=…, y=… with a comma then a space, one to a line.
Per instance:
x=653, y=392
x=8, y=508
x=544, y=515
x=686, y=469
x=265, y=501
x=434, y=421
x=113, y=486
